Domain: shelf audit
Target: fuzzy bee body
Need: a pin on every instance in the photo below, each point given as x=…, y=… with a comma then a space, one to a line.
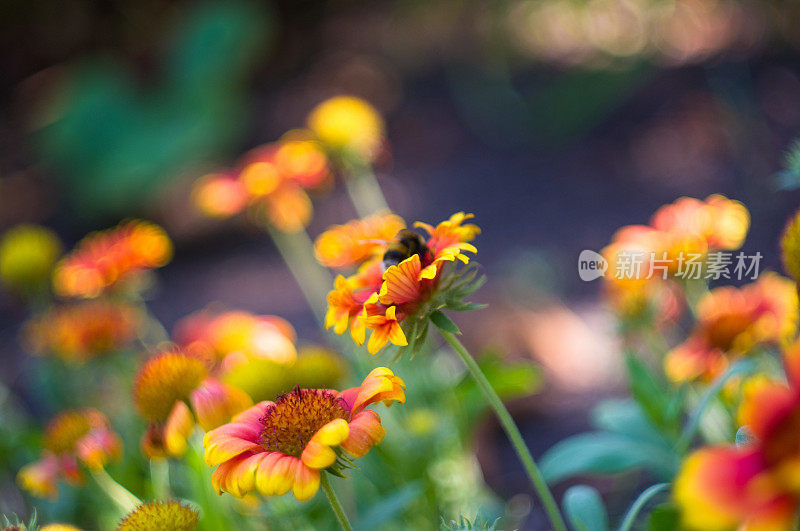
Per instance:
x=406, y=244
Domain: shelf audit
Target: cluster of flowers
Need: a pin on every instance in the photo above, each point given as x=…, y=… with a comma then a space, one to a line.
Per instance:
x=687, y=227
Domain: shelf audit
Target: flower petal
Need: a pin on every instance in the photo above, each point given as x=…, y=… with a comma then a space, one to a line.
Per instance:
x=177, y=429
x=306, y=482
x=365, y=432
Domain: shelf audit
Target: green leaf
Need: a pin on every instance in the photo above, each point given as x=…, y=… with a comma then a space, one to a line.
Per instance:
x=664, y=517
x=584, y=509
x=626, y=417
x=444, y=323
x=648, y=392
x=605, y=453
x=465, y=306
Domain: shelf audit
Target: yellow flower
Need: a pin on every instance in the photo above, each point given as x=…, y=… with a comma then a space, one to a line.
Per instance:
x=790, y=245
x=28, y=254
x=173, y=390
x=161, y=516
x=348, y=125
x=282, y=446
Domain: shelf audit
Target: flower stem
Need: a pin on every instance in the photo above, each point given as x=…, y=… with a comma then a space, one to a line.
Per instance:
x=126, y=501
x=159, y=478
x=363, y=189
x=297, y=250
x=511, y=430
x=334, y=501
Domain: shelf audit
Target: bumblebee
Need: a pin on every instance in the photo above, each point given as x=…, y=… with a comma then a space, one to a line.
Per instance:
x=406, y=244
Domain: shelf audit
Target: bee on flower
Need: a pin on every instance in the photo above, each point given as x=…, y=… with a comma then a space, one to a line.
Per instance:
x=731, y=323
x=230, y=337
x=73, y=440
x=28, y=254
x=173, y=391
x=103, y=260
x=282, y=446
x=345, y=246
x=348, y=127
x=405, y=278
x=269, y=183
x=76, y=332
x=754, y=485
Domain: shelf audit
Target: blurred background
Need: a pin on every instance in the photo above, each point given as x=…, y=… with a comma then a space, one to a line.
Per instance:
x=554, y=121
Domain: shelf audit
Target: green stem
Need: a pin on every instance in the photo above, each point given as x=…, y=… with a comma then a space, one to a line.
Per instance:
x=364, y=190
x=159, y=478
x=297, y=251
x=644, y=497
x=511, y=430
x=126, y=501
x=334, y=501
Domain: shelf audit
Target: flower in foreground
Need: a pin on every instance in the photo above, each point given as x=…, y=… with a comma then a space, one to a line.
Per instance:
x=348, y=126
x=28, y=254
x=173, y=391
x=282, y=446
x=80, y=331
x=755, y=485
x=404, y=279
x=72, y=439
x=731, y=323
x=161, y=516
x=101, y=260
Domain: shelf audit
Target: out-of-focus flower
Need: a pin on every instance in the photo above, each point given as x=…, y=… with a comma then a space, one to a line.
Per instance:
x=269, y=183
x=316, y=368
x=348, y=126
x=79, y=331
x=275, y=447
x=73, y=438
x=238, y=334
x=343, y=246
x=643, y=260
x=731, y=322
x=172, y=390
x=161, y=515
x=790, y=245
x=755, y=485
x=28, y=254
x=406, y=279
x=104, y=259
x=59, y=527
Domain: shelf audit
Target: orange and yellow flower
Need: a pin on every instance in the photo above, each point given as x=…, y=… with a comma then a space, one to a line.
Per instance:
x=103, y=259
x=381, y=294
x=233, y=336
x=80, y=331
x=269, y=183
x=72, y=439
x=282, y=446
x=174, y=391
x=731, y=322
x=344, y=246
x=756, y=485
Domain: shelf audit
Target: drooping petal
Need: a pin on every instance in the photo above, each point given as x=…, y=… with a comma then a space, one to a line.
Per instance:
x=40, y=478
x=177, y=429
x=276, y=474
x=232, y=439
x=98, y=447
x=306, y=482
x=365, y=432
x=317, y=452
x=380, y=385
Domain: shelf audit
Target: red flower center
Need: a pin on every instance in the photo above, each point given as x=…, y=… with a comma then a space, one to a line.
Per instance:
x=295, y=417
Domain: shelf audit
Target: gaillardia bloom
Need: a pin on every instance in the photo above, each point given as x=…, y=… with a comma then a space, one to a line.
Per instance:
x=73, y=438
x=104, y=259
x=80, y=331
x=405, y=279
x=348, y=126
x=755, y=485
x=235, y=336
x=172, y=390
x=28, y=254
x=731, y=322
x=269, y=183
x=282, y=446
x=160, y=516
